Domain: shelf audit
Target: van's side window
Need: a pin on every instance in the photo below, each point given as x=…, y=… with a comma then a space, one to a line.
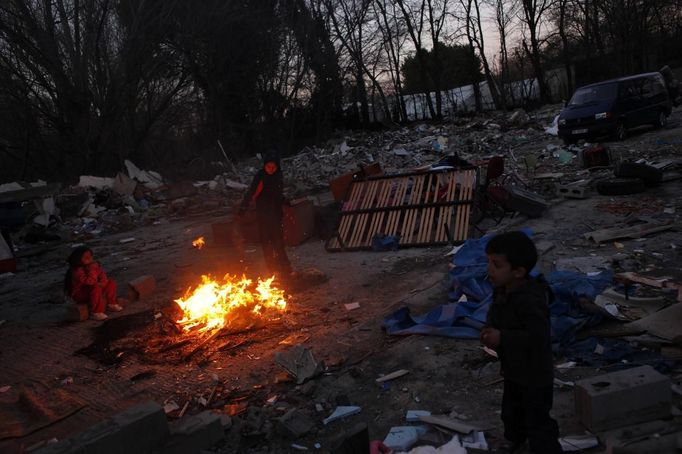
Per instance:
x=628, y=89
x=647, y=88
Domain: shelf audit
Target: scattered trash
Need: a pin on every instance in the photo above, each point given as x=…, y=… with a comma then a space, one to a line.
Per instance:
x=300, y=363
x=392, y=375
x=352, y=306
x=449, y=423
x=401, y=438
x=571, y=443
x=341, y=413
x=414, y=415
x=170, y=407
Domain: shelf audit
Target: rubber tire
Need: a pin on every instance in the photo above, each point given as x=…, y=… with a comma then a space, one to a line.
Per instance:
x=620, y=186
x=620, y=132
x=650, y=175
x=569, y=141
x=662, y=120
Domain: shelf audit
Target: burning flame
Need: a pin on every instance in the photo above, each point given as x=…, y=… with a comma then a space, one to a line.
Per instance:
x=199, y=242
x=207, y=308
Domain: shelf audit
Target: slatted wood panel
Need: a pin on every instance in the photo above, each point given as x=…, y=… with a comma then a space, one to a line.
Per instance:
x=422, y=209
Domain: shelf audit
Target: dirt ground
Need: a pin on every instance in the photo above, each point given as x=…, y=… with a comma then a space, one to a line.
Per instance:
x=446, y=375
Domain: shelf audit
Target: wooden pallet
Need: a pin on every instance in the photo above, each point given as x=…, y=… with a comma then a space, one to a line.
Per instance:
x=423, y=209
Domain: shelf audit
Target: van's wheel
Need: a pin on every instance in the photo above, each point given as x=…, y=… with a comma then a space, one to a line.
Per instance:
x=569, y=141
x=662, y=120
x=620, y=133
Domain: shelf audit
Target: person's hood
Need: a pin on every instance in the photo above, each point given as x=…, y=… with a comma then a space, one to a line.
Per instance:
x=272, y=155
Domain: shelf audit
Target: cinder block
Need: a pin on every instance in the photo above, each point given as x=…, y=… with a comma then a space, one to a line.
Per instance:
x=622, y=398
x=299, y=222
x=142, y=287
x=193, y=433
x=572, y=191
x=295, y=423
x=138, y=430
x=76, y=312
x=649, y=438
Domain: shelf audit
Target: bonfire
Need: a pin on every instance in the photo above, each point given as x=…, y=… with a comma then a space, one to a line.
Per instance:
x=213, y=305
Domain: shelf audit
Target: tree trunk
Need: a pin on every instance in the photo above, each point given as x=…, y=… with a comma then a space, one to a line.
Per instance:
x=565, y=48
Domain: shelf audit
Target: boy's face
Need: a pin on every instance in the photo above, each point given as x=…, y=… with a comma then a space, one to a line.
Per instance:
x=270, y=167
x=500, y=271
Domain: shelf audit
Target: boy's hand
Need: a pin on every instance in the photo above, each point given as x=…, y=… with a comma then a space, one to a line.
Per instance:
x=490, y=337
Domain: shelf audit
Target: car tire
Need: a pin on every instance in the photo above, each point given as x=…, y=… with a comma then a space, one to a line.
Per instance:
x=649, y=174
x=621, y=186
x=620, y=132
x=662, y=120
x=569, y=141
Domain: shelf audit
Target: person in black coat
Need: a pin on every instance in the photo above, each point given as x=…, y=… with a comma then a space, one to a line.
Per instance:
x=518, y=329
x=267, y=191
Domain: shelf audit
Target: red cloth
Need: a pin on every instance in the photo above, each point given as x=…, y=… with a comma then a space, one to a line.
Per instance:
x=90, y=285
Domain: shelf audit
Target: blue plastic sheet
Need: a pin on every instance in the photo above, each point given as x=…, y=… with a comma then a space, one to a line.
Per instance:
x=382, y=243
x=469, y=277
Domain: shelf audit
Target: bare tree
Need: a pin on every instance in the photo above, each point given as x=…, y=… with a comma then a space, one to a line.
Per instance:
x=470, y=33
x=97, y=77
x=472, y=12
x=437, y=12
x=393, y=39
x=533, y=16
x=415, y=20
x=355, y=28
x=504, y=12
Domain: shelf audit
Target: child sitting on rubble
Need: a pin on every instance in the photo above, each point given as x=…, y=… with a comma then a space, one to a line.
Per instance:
x=87, y=283
x=518, y=329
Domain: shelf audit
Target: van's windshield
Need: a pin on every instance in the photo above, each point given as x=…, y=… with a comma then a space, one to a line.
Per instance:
x=593, y=95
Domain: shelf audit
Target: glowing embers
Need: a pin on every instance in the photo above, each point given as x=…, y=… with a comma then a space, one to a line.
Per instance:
x=199, y=242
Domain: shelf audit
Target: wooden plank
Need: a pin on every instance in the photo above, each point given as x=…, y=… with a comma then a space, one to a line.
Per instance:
x=379, y=217
x=422, y=217
x=362, y=218
x=357, y=189
x=442, y=214
x=417, y=186
x=405, y=231
x=460, y=209
x=372, y=217
x=432, y=211
x=464, y=234
x=416, y=215
x=393, y=224
x=462, y=220
x=365, y=238
x=446, y=212
x=451, y=210
x=394, y=216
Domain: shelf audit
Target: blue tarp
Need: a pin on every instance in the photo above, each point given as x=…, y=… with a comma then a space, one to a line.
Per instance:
x=469, y=277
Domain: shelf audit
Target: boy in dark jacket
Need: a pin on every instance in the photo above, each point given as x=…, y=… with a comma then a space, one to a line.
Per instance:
x=267, y=191
x=518, y=328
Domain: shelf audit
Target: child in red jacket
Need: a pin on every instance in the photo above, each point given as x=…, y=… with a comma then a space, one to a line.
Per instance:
x=87, y=283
